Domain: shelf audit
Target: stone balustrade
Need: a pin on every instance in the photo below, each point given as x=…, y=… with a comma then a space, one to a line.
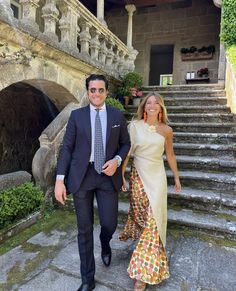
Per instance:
x=72, y=28
x=230, y=86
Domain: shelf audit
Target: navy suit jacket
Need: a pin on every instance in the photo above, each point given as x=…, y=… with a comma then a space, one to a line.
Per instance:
x=75, y=153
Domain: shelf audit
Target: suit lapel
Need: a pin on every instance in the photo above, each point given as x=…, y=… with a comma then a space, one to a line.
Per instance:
x=87, y=124
x=109, y=123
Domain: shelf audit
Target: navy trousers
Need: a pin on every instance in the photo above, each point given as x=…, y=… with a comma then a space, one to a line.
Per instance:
x=98, y=185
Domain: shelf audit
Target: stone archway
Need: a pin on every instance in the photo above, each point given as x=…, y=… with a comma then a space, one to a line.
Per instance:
x=25, y=111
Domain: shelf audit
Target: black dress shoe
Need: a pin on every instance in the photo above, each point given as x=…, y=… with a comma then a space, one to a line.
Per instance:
x=86, y=287
x=106, y=257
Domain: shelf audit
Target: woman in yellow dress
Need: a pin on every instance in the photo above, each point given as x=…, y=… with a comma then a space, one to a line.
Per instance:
x=147, y=218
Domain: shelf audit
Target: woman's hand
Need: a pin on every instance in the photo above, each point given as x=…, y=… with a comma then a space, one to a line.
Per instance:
x=124, y=188
x=177, y=185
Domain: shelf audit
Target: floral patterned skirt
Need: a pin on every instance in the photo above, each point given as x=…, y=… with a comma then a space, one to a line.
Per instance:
x=149, y=261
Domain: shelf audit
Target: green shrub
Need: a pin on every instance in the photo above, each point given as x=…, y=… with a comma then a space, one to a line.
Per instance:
x=228, y=23
x=133, y=80
x=18, y=202
x=115, y=103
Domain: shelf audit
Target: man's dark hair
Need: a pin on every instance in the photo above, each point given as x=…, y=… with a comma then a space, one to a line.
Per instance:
x=94, y=77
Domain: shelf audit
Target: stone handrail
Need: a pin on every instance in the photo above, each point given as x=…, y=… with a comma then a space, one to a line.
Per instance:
x=69, y=26
x=45, y=160
x=230, y=86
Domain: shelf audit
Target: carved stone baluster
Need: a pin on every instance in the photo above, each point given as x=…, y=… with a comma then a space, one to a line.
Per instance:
x=110, y=56
x=50, y=15
x=29, y=13
x=131, y=58
x=6, y=11
x=85, y=37
x=95, y=45
x=68, y=25
x=103, y=52
x=120, y=66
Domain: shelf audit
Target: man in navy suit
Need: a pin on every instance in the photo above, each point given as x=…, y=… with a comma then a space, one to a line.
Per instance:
x=76, y=167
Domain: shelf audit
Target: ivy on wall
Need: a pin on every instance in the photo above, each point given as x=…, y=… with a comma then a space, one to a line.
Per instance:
x=228, y=24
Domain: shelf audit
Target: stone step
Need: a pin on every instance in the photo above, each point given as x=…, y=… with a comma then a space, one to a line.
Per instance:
x=214, y=202
x=187, y=101
x=202, y=138
x=197, y=87
x=203, y=180
x=203, y=127
x=209, y=164
x=201, y=117
x=208, y=223
x=197, y=109
x=201, y=150
x=191, y=94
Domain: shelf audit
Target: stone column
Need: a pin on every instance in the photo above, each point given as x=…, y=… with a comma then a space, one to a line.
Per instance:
x=222, y=56
x=218, y=3
x=6, y=11
x=50, y=16
x=29, y=13
x=100, y=12
x=130, y=8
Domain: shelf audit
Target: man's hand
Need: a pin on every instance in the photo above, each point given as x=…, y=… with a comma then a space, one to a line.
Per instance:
x=60, y=192
x=110, y=167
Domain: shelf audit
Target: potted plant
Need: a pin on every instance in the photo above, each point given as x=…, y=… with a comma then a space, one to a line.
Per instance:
x=203, y=72
x=132, y=81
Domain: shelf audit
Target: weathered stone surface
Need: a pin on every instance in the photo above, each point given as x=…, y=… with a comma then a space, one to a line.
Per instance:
x=14, y=179
x=17, y=257
x=47, y=240
x=194, y=265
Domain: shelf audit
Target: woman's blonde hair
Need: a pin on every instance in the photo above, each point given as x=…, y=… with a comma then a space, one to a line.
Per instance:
x=160, y=100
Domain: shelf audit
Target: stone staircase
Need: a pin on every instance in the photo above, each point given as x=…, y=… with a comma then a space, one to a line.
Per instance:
x=205, y=148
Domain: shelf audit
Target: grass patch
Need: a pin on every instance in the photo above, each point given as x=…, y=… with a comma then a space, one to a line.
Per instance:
x=59, y=219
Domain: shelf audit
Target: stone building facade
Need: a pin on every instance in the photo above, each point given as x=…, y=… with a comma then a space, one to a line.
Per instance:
x=182, y=25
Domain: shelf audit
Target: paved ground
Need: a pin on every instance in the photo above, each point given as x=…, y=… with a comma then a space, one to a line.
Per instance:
x=51, y=262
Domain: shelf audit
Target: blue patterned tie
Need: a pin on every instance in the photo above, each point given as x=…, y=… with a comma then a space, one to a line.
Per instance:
x=99, y=157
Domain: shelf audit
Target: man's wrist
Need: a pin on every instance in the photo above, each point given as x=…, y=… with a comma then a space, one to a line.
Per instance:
x=60, y=178
x=119, y=160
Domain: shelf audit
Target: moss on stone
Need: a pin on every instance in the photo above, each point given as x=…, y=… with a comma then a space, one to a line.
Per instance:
x=59, y=219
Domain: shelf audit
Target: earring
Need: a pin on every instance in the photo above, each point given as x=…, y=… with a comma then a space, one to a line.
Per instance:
x=160, y=117
x=145, y=116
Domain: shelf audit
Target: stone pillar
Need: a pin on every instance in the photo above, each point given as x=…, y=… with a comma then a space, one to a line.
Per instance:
x=222, y=55
x=85, y=37
x=29, y=13
x=130, y=8
x=218, y=3
x=68, y=25
x=100, y=12
x=50, y=16
x=222, y=64
x=6, y=11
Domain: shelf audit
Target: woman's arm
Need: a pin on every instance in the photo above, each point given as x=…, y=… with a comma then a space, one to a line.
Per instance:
x=123, y=169
x=170, y=155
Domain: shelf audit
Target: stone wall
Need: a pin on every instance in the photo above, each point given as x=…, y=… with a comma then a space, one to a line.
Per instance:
x=197, y=25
